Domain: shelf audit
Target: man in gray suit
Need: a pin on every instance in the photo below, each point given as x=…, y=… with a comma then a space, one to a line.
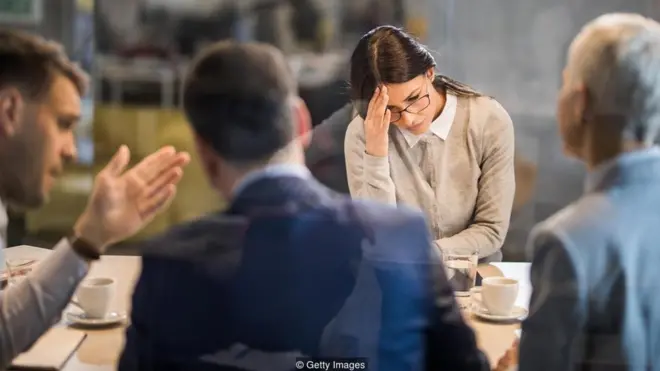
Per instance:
x=595, y=275
x=40, y=93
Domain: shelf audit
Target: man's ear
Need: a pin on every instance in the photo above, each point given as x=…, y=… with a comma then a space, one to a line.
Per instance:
x=582, y=104
x=11, y=109
x=207, y=157
x=302, y=121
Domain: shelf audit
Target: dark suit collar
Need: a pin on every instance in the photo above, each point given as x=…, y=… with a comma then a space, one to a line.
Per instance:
x=632, y=167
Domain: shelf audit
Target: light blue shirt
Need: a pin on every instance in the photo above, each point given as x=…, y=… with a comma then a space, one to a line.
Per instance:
x=271, y=171
x=598, y=175
x=30, y=307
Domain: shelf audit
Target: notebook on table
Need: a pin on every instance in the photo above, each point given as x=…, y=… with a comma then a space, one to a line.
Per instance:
x=51, y=351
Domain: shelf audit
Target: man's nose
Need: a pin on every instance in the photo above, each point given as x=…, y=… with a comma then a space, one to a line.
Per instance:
x=70, y=150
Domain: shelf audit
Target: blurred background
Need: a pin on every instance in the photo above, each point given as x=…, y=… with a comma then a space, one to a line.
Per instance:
x=136, y=52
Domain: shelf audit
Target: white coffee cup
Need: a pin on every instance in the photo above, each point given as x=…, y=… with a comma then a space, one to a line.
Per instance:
x=498, y=295
x=95, y=296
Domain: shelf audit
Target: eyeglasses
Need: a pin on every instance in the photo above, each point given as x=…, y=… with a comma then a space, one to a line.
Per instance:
x=361, y=107
x=415, y=107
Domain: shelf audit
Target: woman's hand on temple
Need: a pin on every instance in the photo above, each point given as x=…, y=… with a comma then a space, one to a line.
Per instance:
x=377, y=123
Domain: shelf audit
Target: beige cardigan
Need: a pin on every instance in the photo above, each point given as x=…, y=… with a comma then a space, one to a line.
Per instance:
x=470, y=207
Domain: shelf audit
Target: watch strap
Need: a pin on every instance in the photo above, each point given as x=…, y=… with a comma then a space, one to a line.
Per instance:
x=84, y=248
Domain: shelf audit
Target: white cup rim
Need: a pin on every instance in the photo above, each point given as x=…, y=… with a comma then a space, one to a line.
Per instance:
x=98, y=282
x=499, y=281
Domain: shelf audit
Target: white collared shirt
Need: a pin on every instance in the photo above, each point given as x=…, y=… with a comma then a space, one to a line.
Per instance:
x=440, y=126
x=271, y=171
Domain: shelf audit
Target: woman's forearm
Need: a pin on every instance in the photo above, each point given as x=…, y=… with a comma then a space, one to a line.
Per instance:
x=368, y=176
x=484, y=238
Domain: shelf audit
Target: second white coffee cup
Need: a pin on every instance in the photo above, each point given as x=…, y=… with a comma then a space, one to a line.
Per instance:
x=95, y=296
x=498, y=295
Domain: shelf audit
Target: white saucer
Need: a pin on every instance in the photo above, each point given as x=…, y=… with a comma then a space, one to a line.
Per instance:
x=517, y=314
x=79, y=318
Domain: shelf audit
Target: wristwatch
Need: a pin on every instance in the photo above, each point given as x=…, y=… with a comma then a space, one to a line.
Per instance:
x=84, y=248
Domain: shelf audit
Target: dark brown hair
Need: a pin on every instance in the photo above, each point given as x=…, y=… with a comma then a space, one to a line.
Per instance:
x=388, y=55
x=30, y=63
x=236, y=96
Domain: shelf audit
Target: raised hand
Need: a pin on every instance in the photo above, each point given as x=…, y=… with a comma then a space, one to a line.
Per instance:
x=377, y=123
x=123, y=202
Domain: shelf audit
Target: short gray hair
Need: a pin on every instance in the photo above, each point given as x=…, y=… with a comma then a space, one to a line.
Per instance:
x=617, y=57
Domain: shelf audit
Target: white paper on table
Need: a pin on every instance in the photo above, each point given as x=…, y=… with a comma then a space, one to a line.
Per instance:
x=51, y=351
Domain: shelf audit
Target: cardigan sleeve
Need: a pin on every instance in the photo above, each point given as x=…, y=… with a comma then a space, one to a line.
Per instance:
x=368, y=176
x=496, y=185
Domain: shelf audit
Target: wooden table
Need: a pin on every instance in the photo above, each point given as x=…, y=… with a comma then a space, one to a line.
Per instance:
x=101, y=348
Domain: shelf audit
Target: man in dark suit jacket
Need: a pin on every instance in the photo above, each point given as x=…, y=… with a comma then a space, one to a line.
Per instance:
x=291, y=269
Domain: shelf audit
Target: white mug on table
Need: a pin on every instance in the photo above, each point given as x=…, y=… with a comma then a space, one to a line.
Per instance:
x=95, y=296
x=497, y=295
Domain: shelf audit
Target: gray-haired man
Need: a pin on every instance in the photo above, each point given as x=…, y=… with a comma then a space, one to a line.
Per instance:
x=595, y=275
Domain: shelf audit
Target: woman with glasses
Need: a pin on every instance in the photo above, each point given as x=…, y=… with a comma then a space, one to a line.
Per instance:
x=427, y=141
